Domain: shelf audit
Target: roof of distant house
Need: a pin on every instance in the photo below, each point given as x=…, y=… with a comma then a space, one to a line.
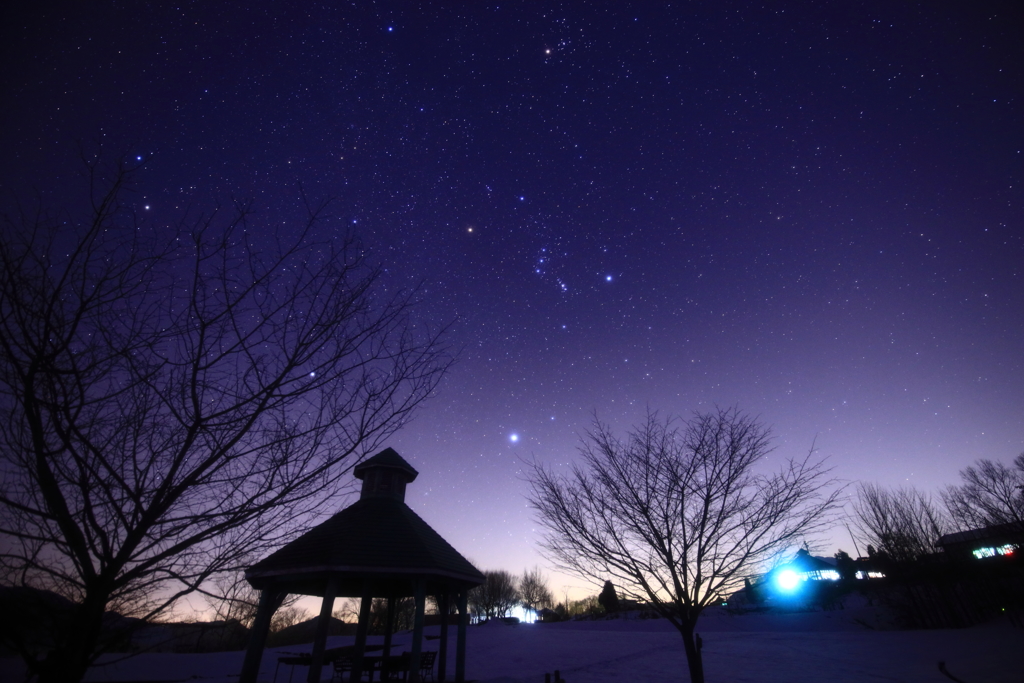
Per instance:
x=996, y=531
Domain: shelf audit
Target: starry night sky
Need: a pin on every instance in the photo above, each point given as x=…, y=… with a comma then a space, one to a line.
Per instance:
x=811, y=213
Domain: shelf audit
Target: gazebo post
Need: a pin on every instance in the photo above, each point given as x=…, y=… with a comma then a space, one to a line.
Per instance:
x=417, y=630
x=322, y=627
x=389, y=629
x=361, y=628
x=389, y=625
x=270, y=600
x=442, y=656
x=460, y=643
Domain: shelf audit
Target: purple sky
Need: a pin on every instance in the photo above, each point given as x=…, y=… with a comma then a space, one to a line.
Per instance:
x=812, y=214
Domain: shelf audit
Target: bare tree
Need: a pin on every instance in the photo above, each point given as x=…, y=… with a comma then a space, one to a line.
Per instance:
x=534, y=593
x=402, y=618
x=903, y=524
x=990, y=494
x=679, y=515
x=170, y=408
x=495, y=597
x=347, y=610
x=237, y=600
x=286, y=617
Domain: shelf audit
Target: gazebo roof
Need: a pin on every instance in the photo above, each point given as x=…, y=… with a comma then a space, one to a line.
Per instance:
x=375, y=548
x=805, y=562
x=377, y=539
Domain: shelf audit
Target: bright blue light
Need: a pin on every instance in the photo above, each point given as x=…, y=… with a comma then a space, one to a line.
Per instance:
x=513, y=438
x=787, y=580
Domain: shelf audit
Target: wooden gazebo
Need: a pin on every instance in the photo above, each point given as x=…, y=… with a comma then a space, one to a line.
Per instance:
x=377, y=547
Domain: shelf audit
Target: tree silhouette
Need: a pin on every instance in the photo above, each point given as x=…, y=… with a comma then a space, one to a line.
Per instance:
x=608, y=599
x=679, y=516
x=846, y=567
x=533, y=590
x=173, y=401
x=901, y=524
x=495, y=597
x=990, y=494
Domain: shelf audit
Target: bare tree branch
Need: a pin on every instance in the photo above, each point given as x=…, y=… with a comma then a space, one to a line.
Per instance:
x=168, y=409
x=903, y=524
x=990, y=494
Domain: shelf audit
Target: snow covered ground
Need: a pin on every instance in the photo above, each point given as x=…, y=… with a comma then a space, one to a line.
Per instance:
x=849, y=645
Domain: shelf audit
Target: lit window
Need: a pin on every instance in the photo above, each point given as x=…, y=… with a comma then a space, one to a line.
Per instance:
x=870, y=575
x=1005, y=549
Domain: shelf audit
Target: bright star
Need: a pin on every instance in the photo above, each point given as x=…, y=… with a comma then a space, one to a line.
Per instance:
x=607, y=278
x=513, y=437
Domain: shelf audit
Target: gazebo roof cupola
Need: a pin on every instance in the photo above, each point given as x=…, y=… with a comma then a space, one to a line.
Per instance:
x=385, y=475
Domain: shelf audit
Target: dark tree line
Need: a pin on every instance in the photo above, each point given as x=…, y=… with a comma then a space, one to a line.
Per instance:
x=502, y=592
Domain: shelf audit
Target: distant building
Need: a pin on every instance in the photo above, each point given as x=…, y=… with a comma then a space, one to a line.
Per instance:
x=804, y=567
x=548, y=615
x=1000, y=540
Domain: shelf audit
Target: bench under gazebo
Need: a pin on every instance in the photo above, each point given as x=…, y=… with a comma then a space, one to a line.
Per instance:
x=375, y=548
